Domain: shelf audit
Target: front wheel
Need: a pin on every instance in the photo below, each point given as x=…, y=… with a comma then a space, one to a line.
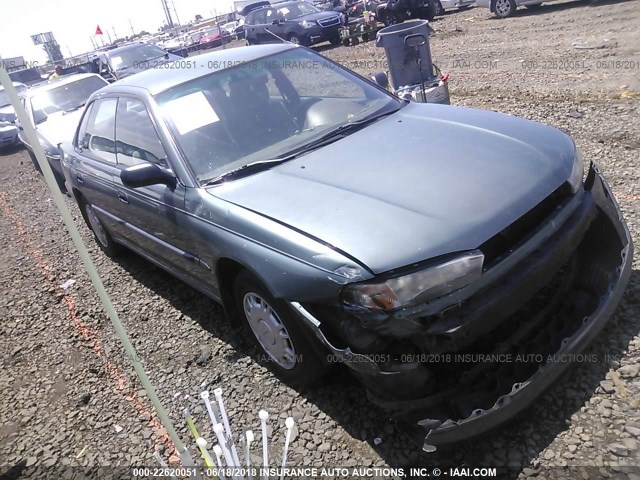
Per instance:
x=100, y=233
x=335, y=40
x=297, y=39
x=505, y=8
x=34, y=160
x=287, y=348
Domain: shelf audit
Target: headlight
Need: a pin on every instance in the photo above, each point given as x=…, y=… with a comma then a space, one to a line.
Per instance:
x=417, y=287
x=577, y=172
x=307, y=24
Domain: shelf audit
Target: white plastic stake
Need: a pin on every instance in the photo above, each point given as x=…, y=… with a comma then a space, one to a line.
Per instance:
x=247, y=454
x=162, y=463
x=219, y=431
x=247, y=451
x=218, y=452
x=212, y=415
x=264, y=415
x=202, y=443
x=223, y=413
x=289, y=422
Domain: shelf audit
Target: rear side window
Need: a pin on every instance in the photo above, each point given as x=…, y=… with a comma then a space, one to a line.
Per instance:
x=97, y=134
x=137, y=139
x=260, y=17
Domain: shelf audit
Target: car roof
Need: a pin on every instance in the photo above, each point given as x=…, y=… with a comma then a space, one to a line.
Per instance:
x=59, y=81
x=157, y=80
x=123, y=48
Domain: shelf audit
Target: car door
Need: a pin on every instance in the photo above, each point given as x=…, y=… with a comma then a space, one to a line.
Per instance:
x=91, y=164
x=260, y=26
x=273, y=15
x=154, y=216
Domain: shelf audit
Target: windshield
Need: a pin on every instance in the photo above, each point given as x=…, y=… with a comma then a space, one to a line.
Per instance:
x=298, y=9
x=64, y=98
x=4, y=97
x=265, y=109
x=127, y=58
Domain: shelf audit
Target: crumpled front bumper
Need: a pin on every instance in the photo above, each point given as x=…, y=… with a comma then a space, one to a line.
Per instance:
x=495, y=352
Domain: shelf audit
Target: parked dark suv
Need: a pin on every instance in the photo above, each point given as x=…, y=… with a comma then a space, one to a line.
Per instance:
x=297, y=22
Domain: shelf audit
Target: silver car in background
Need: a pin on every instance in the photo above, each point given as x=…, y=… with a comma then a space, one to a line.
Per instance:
x=506, y=8
x=7, y=113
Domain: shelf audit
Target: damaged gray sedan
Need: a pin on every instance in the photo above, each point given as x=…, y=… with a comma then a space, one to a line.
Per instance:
x=455, y=260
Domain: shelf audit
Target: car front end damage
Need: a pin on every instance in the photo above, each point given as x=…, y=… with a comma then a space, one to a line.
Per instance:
x=467, y=361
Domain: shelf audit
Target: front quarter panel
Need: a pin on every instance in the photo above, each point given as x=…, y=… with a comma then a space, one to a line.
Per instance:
x=291, y=264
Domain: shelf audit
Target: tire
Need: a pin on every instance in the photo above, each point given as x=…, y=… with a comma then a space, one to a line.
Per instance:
x=504, y=8
x=430, y=12
x=438, y=6
x=100, y=233
x=251, y=41
x=335, y=40
x=287, y=347
x=297, y=39
x=36, y=165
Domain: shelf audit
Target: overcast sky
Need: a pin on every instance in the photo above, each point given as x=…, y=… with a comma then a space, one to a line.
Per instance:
x=73, y=22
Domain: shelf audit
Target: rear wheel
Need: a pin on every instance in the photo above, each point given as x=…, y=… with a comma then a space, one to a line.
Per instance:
x=100, y=233
x=504, y=8
x=277, y=332
x=335, y=40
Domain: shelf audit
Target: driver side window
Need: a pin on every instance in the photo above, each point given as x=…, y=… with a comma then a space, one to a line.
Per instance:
x=97, y=132
x=136, y=138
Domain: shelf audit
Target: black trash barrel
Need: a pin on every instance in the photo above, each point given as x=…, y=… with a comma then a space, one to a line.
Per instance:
x=406, y=46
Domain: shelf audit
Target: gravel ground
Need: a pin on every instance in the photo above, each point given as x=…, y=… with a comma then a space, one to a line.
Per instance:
x=68, y=392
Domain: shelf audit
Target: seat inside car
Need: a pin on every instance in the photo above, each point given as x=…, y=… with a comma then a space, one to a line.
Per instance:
x=255, y=112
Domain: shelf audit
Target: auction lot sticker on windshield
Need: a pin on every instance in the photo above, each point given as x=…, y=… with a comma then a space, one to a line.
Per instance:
x=191, y=112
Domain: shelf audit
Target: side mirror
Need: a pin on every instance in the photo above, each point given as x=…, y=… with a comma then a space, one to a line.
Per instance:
x=381, y=79
x=146, y=174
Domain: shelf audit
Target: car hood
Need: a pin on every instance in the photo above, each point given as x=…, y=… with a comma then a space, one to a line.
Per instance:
x=59, y=128
x=423, y=182
x=314, y=17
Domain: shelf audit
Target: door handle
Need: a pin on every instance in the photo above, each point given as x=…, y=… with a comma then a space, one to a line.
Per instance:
x=79, y=178
x=123, y=197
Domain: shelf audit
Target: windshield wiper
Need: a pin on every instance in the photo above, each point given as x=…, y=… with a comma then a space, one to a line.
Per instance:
x=335, y=134
x=247, y=169
x=77, y=107
x=326, y=139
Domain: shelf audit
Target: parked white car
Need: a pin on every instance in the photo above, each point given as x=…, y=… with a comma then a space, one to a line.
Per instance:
x=54, y=109
x=506, y=8
x=7, y=114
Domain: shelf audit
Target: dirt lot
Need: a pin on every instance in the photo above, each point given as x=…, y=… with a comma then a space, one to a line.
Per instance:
x=68, y=393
